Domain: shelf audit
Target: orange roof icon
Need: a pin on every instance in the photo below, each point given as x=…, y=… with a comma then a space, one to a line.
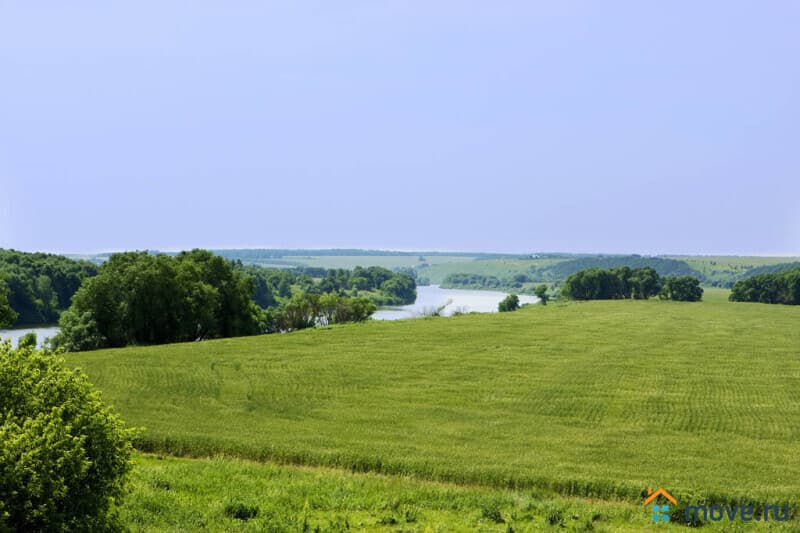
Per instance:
x=660, y=492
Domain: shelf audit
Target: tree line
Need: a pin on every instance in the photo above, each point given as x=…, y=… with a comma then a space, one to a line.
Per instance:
x=625, y=282
x=141, y=298
x=36, y=287
x=772, y=288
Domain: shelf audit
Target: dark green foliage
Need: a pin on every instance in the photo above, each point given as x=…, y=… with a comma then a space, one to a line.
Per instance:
x=29, y=340
x=509, y=303
x=781, y=287
x=240, y=510
x=306, y=310
x=682, y=289
x=541, y=293
x=273, y=287
x=617, y=283
x=663, y=266
x=39, y=286
x=63, y=455
x=7, y=315
x=493, y=513
x=139, y=298
x=472, y=281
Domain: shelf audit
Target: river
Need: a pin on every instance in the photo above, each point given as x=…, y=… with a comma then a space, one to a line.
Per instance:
x=430, y=297
x=41, y=334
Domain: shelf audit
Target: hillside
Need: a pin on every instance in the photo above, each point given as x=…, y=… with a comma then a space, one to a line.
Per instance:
x=597, y=399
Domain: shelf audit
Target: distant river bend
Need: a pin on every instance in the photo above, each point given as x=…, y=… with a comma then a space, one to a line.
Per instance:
x=431, y=297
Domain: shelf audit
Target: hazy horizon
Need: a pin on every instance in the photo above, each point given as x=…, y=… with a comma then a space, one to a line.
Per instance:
x=582, y=127
x=409, y=251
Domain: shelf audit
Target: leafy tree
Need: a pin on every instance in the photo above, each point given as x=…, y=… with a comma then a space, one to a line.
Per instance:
x=401, y=288
x=7, y=315
x=682, y=289
x=64, y=456
x=138, y=298
x=39, y=286
x=616, y=283
x=509, y=303
x=541, y=293
x=644, y=282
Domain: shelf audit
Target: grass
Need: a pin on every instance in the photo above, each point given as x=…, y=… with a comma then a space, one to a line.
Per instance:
x=500, y=268
x=597, y=399
x=224, y=494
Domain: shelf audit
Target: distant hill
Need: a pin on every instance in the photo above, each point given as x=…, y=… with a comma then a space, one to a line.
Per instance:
x=664, y=266
x=769, y=269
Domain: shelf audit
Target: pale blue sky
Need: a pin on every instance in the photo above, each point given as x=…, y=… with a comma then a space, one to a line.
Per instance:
x=648, y=127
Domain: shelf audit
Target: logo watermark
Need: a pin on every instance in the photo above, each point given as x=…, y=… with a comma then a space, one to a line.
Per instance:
x=712, y=512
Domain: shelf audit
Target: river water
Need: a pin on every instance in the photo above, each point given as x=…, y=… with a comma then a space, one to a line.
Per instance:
x=431, y=297
x=41, y=334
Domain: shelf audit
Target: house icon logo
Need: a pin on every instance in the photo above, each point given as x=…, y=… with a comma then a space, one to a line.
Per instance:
x=660, y=511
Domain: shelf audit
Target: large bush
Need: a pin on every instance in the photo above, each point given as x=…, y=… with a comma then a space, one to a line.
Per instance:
x=64, y=455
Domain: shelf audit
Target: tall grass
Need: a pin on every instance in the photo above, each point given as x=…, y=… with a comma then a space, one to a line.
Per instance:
x=595, y=399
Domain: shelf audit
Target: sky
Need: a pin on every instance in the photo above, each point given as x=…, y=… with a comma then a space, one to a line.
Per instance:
x=608, y=127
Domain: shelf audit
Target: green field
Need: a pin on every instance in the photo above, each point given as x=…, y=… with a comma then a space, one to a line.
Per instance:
x=385, y=261
x=170, y=494
x=593, y=400
x=725, y=268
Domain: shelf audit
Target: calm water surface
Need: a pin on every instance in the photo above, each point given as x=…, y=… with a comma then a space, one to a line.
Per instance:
x=457, y=300
x=15, y=334
x=429, y=297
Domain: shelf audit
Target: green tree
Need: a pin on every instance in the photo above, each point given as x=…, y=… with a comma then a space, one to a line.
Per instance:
x=645, y=282
x=7, y=315
x=541, y=293
x=509, y=303
x=682, y=289
x=64, y=456
x=138, y=298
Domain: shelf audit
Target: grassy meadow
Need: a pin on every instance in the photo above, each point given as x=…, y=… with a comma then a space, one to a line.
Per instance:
x=225, y=494
x=594, y=400
x=725, y=268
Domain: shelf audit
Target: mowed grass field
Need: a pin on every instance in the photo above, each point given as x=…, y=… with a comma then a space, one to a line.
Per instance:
x=595, y=400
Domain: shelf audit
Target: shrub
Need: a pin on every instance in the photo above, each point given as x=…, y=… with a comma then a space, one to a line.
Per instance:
x=509, y=303
x=64, y=455
x=29, y=340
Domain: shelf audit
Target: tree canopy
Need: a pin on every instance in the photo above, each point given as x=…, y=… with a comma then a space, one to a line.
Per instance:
x=38, y=287
x=138, y=298
x=682, y=289
x=624, y=282
x=64, y=455
x=772, y=288
x=509, y=303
